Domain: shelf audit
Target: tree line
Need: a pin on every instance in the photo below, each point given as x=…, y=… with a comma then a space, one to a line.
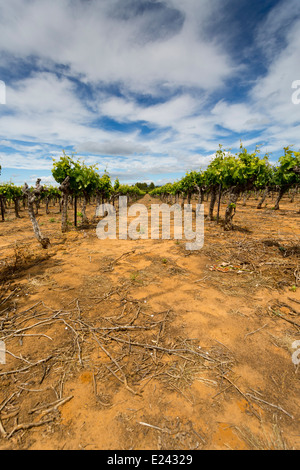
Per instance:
x=231, y=174
x=236, y=174
x=77, y=182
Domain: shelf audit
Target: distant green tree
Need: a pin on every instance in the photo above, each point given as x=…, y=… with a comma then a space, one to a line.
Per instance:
x=287, y=174
x=142, y=186
x=65, y=171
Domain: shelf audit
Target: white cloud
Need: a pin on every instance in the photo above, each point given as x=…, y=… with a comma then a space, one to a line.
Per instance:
x=271, y=33
x=238, y=117
x=164, y=114
x=45, y=93
x=115, y=147
x=272, y=94
x=102, y=47
x=45, y=180
x=160, y=52
x=25, y=162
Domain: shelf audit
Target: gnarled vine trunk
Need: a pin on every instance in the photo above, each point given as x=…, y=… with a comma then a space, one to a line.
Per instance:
x=281, y=193
x=213, y=198
x=32, y=197
x=64, y=188
x=2, y=208
x=47, y=205
x=263, y=198
x=219, y=202
x=231, y=209
x=85, y=220
x=16, y=203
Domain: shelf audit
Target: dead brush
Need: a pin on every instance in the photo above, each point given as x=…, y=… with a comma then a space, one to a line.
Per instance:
x=22, y=257
x=267, y=264
x=129, y=349
x=267, y=440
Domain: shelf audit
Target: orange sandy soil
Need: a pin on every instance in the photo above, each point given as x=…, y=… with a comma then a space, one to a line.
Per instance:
x=79, y=320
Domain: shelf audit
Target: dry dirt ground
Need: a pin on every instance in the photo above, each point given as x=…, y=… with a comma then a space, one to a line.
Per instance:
x=140, y=344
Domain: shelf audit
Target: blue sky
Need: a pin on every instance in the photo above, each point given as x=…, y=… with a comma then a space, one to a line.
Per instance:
x=147, y=89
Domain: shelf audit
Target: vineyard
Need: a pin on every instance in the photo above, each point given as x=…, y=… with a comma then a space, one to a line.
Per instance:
x=139, y=343
x=234, y=175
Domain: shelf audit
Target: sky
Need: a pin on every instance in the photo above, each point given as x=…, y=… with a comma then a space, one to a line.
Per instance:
x=145, y=89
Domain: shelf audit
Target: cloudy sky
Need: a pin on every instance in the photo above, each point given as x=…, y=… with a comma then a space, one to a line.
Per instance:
x=148, y=89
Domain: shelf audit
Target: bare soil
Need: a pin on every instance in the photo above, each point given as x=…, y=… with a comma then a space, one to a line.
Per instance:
x=140, y=344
